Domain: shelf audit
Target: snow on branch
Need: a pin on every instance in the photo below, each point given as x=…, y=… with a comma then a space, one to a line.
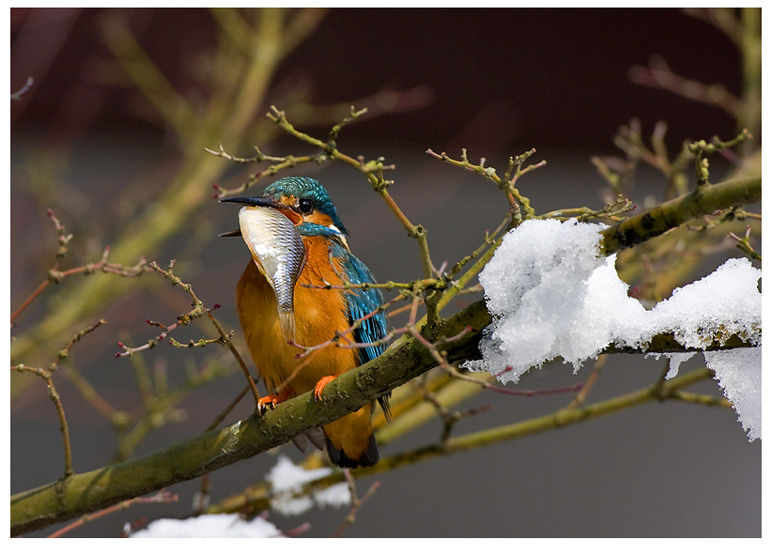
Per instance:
x=551, y=294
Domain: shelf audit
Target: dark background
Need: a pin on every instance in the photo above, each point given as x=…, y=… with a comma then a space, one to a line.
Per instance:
x=496, y=82
x=554, y=78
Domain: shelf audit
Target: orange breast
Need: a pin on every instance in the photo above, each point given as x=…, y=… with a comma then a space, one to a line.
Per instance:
x=319, y=313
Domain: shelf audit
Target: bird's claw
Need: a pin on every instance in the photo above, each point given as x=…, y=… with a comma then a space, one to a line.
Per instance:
x=264, y=403
x=320, y=385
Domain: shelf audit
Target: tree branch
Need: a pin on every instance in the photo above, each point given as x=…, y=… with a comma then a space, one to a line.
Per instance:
x=671, y=214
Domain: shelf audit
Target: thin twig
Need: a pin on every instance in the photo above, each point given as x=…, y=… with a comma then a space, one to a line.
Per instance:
x=581, y=396
x=160, y=497
x=659, y=75
x=47, y=375
x=198, y=310
x=55, y=275
x=356, y=502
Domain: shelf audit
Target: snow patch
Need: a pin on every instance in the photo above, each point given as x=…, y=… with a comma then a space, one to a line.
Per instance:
x=551, y=294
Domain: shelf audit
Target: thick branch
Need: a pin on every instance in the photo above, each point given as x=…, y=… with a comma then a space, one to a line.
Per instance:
x=669, y=215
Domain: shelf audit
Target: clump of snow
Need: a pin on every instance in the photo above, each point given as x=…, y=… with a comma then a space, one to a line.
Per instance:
x=551, y=294
x=290, y=503
x=738, y=372
x=535, y=307
x=337, y=495
x=209, y=526
x=722, y=304
x=288, y=480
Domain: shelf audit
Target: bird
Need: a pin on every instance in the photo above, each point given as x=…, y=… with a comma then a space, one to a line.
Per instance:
x=322, y=305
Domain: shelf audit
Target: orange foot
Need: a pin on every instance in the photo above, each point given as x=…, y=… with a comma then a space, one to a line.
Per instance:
x=270, y=401
x=267, y=401
x=320, y=385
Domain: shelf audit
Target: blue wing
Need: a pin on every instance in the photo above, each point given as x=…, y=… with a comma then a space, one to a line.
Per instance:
x=362, y=302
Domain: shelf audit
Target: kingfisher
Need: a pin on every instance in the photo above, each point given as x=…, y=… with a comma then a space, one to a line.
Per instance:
x=296, y=291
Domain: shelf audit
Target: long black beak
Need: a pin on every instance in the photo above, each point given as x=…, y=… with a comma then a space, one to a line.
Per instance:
x=255, y=201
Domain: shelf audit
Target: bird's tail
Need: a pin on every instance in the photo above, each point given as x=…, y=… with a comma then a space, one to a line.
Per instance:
x=350, y=440
x=339, y=458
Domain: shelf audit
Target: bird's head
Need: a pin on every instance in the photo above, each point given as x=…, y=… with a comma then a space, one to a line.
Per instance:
x=303, y=200
x=307, y=197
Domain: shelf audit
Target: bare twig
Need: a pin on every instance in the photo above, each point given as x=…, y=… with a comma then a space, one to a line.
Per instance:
x=55, y=275
x=507, y=183
x=160, y=497
x=659, y=75
x=47, y=375
x=702, y=148
x=744, y=244
x=581, y=396
x=198, y=310
x=356, y=502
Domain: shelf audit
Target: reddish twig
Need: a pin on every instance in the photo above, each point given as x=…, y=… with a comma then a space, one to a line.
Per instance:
x=55, y=275
x=659, y=75
x=160, y=497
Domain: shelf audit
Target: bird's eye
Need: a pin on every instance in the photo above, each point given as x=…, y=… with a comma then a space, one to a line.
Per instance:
x=305, y=206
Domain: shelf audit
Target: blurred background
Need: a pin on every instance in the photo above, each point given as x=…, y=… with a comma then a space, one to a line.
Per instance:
x=111, y=137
